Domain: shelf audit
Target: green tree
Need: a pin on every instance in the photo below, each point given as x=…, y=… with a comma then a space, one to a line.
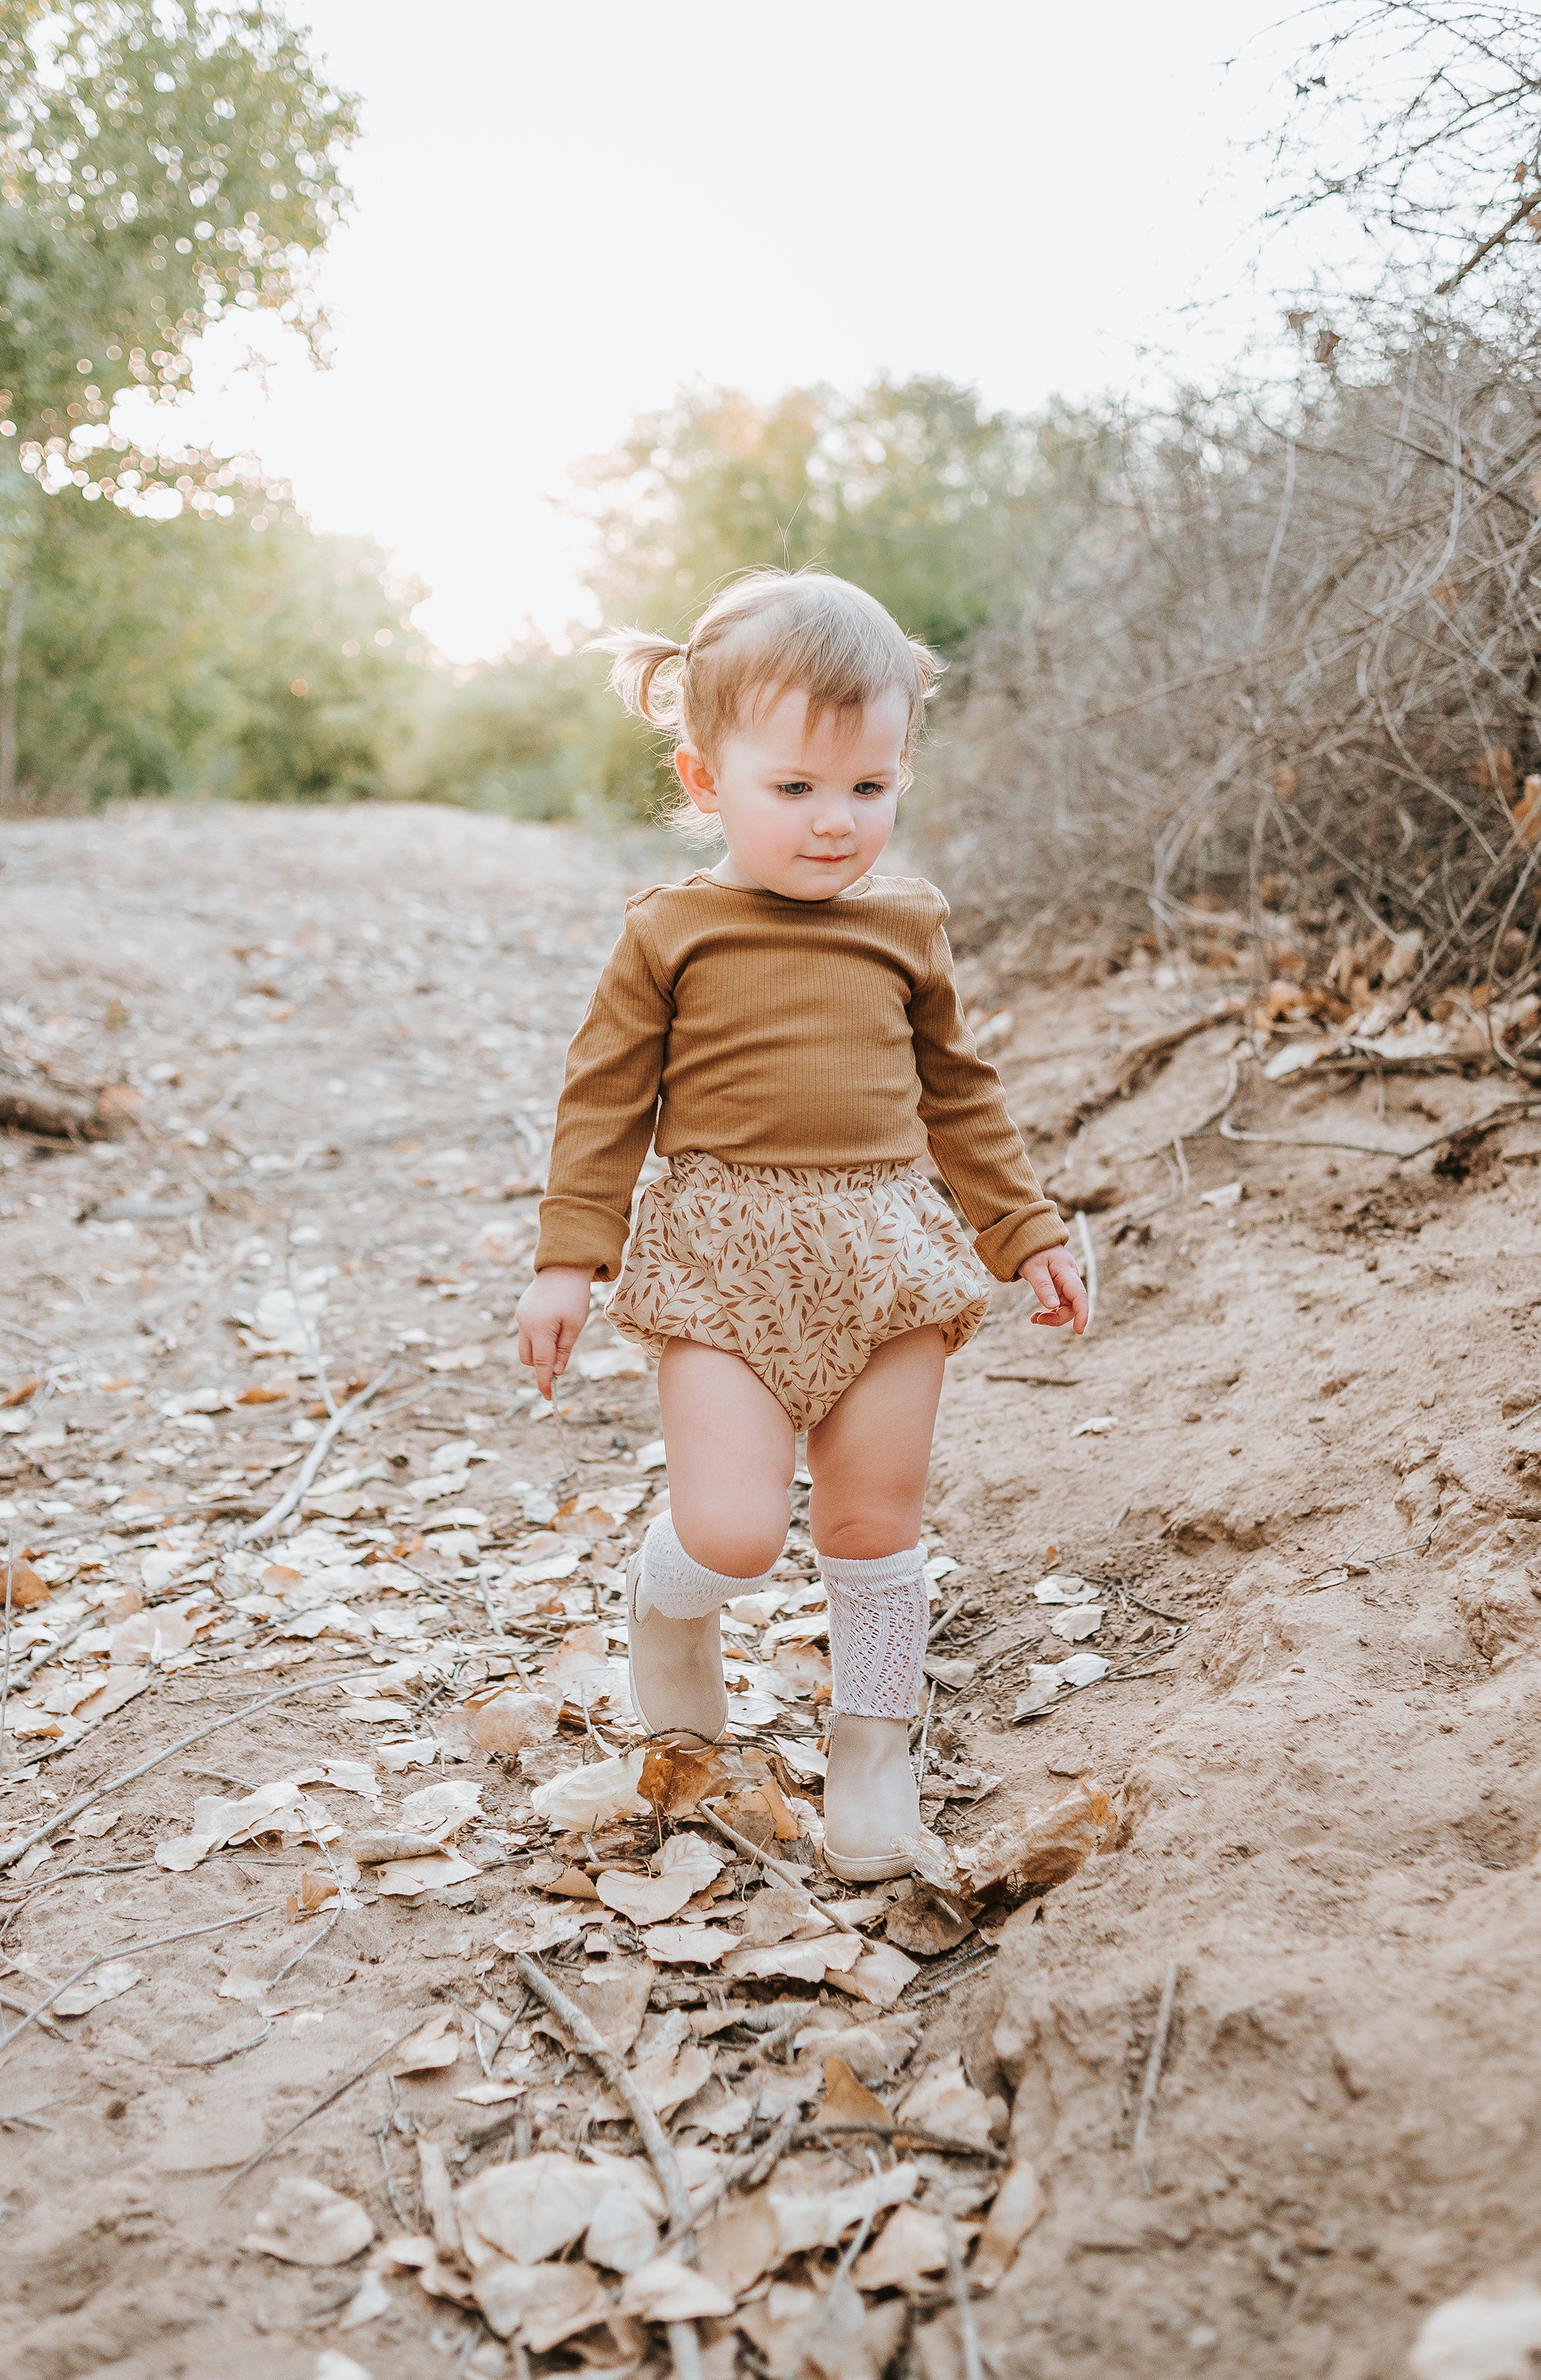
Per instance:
x=161, y=162
x=911, y=488
x=190, y=656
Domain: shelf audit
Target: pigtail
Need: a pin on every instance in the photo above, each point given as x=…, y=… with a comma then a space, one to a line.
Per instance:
x=639, y=658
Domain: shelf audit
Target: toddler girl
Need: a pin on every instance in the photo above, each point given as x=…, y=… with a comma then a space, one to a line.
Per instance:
x=784, y=1029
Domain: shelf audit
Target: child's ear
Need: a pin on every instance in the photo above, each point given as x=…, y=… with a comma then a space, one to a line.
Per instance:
x=697, y=779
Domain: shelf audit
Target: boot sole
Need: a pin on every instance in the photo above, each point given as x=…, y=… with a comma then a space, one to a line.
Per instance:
x=868, y=1870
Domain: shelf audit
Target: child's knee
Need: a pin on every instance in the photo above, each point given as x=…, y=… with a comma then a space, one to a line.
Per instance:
x=867, y=1534
x=738, y=1544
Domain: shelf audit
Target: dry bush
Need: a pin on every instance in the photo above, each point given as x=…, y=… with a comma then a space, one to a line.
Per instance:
x=1281, y=699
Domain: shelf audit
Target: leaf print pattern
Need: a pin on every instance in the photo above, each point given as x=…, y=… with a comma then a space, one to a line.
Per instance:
x=802, y=1272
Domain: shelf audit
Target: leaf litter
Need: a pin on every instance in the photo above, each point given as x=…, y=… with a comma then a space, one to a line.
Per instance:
x=469, y=1785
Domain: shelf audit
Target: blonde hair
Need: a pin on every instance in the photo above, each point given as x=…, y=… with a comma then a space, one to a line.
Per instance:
x=769, y=632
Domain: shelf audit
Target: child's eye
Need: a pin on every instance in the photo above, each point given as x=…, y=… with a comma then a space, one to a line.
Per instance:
x=796, y=785
x=869, y=786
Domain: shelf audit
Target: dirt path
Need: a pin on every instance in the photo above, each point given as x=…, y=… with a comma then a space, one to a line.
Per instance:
x=1295, y=1461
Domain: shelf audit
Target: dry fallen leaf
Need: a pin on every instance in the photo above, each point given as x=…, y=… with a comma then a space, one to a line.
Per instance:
x=531, y=2208
x=440, y=1810
x=109, y=1981
x=740, y=2245
x=540, y=2304
x=825, y=2337
x=431, y=2051
x=314, y=1893
x=878, y=1976
x=667, y=2291
x=622, y=2234
x=914, y=2243
x=581, y=1799
x=1017, y=2206
x=510, y=1721
x=689, y=1946
x=645, y=1899
x=404, y=1879
x=26, y=1588
x=615, y=2002
x=306, y=2223
x=945, y=2101
x=673, y=1782
x=1042, y=1847
x=97, y=1822
x=819, y=2218
x=846, y=2100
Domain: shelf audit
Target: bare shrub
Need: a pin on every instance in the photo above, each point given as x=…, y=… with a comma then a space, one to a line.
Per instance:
x=1281, y=692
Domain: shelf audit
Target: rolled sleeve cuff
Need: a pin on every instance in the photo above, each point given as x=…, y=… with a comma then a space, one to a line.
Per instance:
x=580, y=1232
x=1006, y=1247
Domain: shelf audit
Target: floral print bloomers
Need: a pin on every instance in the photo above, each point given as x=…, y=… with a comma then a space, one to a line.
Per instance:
x=801, y=1270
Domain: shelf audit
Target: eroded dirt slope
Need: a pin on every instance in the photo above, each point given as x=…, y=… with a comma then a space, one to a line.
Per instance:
x=1297, y=1459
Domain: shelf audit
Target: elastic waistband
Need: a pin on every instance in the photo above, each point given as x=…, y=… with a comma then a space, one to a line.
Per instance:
x=696, y=1164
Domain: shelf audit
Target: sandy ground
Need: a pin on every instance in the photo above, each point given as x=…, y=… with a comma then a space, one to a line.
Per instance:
x=1296, y=1459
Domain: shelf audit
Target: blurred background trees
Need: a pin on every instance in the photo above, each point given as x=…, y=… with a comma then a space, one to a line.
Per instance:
x=1254, y=662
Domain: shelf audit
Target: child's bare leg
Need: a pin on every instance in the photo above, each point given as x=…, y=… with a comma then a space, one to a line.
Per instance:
x=869, y=1459
x=730, y=1450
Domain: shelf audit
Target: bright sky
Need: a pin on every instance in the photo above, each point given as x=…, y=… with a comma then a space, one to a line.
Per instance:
x=565, y=212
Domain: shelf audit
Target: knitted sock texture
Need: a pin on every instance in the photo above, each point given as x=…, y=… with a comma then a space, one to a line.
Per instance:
x=681, y=1588
x=878, y=1616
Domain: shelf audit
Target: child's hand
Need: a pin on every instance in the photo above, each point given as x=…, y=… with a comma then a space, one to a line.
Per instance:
x=1058, y=1286
x=551, y=1314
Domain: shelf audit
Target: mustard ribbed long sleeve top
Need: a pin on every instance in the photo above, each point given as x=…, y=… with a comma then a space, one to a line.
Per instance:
x=770, y=1031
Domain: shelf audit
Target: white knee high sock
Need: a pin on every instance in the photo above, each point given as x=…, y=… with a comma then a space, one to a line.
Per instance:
x=878, y=1615
x=681, y=1588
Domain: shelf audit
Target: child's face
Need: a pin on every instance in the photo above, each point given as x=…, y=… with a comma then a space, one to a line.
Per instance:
x=803, y=814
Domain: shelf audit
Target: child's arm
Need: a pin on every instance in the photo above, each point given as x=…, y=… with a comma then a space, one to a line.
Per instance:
x=604, y=1124
x=604, y=1120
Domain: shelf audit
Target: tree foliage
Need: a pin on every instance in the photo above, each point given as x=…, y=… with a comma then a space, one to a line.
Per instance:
x=186, y=656
x=159, y=165
x=911, y=488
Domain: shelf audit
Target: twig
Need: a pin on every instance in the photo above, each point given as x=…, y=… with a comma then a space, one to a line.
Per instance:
x=1476, y=1126
x=968, y=2337
x=345, y=2084
x=913, y=2135
x=683, y=2342
x=312, y=1344
x=287, y=1503
x=1089, y=1251
x=13, y=1851
x=939, y=1626
x=1153, y=2065
x=218, y=2057
x=938, y=1984
x=782, y=1869
x=128, y=1950
x=5, y=1676
x=925, y=1732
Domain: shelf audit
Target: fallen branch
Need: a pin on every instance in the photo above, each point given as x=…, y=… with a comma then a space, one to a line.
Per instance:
x=13, y=1851
x=968, y=2337
x=287, y=1503
x=1154, y=1049
x=128, y=1950
x=782, y=1869
x=345, y=2084
x=684, y=2343
x=1153, y=2065
x=902, y=2135
x=1511, y=1109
